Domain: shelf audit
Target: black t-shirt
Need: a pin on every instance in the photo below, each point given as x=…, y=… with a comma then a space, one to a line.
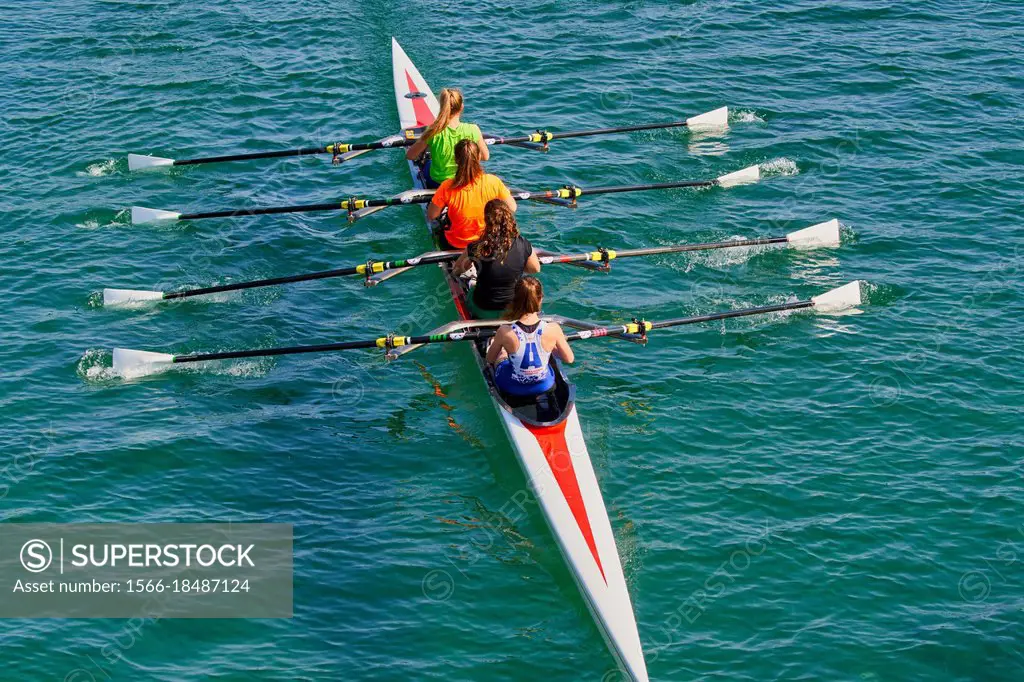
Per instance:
x=496, y=282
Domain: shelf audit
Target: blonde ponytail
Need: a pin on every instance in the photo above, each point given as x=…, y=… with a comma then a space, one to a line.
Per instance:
x=451, y=104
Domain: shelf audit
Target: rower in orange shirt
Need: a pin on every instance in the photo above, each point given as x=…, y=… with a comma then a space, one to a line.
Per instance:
x=465, y=196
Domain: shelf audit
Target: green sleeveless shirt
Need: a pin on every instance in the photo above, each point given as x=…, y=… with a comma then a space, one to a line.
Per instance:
x=442, y=149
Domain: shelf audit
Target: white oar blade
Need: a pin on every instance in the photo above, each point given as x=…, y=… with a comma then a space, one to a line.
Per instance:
x=719, y=118
x=142, y=215
x=141, y=162
x=816, y=236
x=741, y=177
x=841, y=298
x=131, y=364
x=126, y=296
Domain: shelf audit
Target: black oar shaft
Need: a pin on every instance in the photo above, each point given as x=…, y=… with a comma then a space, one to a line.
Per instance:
x=561, y=193
x=255, y=284
x=308, y=208
x=304, y=151
x=643, y=188
x=368, y=146
x=267, y=352
x=376, y=267
x=711, y=317
x=643, y=327
x=543, y=136
x=389, y=342
x=622, y=129
x=370, y=267
x=384, y=342
x=540, y=138
x=657, y=250
x=709, y=246
x=231, y=213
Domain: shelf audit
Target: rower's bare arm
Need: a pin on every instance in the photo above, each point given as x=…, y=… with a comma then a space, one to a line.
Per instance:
x=416, y=150
x=494, y=351
x=562, y=345
x=512, y=204
x=532, y=263
x=462, y=264
x=433, y=211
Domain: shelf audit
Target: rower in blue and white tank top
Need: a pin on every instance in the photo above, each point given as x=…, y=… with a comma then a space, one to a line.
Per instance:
x=528, y=370
x=521, y=351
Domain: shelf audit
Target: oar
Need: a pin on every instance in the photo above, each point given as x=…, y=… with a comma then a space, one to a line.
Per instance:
x=134, y=363
x=821, y=235
x=141, y=215
x=113, y=297
x=719, y=118
x=341, y=152
x=816, y=236
x=836, y=300
x=150, y=215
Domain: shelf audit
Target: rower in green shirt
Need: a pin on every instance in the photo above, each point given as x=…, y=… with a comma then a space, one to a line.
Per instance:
x=442, y=135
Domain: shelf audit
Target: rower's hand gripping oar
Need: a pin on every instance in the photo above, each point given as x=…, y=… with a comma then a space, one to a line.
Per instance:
x=343, y=151
x=571, y=193
x=821, y=235
x=135, y=363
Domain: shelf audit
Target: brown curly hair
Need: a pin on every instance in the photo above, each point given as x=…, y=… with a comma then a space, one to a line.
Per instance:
x=500, y=231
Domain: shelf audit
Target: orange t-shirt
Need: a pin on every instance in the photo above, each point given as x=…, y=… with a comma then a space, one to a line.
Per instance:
x=466, y=207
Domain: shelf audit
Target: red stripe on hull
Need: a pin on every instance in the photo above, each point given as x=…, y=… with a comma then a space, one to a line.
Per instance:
x=424, y=116
x=556, y=451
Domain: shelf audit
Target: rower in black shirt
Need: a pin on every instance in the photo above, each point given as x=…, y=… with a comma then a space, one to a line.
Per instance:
x=501, y=257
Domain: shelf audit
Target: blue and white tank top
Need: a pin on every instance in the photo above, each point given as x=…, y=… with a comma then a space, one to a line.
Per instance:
x=530, y=361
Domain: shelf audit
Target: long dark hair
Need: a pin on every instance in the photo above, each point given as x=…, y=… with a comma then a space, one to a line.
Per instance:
x=528, y=297
x=500, y=231
x=467, y=158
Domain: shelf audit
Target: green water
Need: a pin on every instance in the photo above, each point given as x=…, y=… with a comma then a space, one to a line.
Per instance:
x=797, y=497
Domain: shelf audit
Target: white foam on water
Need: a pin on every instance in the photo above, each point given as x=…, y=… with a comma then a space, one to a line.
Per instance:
x=100, y=169
x=119, y=220
x=777, y=167
x=743, y=116
x=725, y=258
x=847, y=235
x=866, y=290
x=752, y=322
x=95, y=366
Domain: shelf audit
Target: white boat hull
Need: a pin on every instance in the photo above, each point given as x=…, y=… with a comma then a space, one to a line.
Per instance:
x=553, y=455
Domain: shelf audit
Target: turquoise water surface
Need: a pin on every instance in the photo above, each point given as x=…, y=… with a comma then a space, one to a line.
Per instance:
x=794, y=497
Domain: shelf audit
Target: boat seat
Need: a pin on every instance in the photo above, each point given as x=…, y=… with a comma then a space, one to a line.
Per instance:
x=541, y=407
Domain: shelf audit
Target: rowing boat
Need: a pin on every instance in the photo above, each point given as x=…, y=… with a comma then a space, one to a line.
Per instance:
x=548, y=442
x=545, y=434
